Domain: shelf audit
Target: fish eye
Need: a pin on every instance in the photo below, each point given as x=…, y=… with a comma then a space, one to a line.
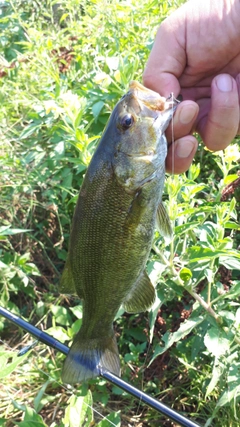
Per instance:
x=127, y=121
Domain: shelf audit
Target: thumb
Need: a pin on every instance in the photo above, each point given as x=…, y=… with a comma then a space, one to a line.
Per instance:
x=167, y=59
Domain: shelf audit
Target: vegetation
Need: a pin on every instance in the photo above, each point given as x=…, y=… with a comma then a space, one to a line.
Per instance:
x=62, y=69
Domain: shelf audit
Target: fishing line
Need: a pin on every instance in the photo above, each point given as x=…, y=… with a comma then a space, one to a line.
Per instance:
x=114, y=379
x=142, y=374
x=70, y=389
x=173, y=147
x=73, y=391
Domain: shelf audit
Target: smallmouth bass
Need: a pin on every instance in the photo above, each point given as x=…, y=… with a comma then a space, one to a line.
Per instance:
x=118, y=206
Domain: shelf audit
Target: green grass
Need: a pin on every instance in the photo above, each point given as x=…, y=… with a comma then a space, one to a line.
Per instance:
x=62, y=71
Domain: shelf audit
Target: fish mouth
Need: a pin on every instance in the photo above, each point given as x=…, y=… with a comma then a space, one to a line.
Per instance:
x=152, y=100
x=150, y=104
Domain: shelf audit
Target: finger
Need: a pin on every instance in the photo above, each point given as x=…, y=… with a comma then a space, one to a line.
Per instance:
x=220, y=124
x=181, y=154
x=238, y=85
x=167, y=58
x=183, y=120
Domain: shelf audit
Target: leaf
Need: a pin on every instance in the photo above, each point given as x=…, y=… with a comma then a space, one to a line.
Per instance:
x=59, y=333
x=79, y=411
x=31, y=415
x=59, y=148
x=230, y=263
x=216, y=375
x=237, y=318
x=179, y=229
x=113, y=418
x=77, y=311
x=195, y=210
x=233, y=373
x=96, y=108
x=196, y=188
x=38, y=398
x=188, y=366
x=61, y=315
x=63, y=17
x=194, y=171
x=9, y=361
x=217, y=342
x=234, y=292
x=31, y=418
x=232, y=225
x=160, y=299
x=197, y=253
x=29, y=130
x=208, y=233
x=230, y=178
x=8, y=231
x=74, y=328
x=112, y=62
x=32, y=424
x=228, y=396
x=2, y=265
x=170, y=338
x=67, y=181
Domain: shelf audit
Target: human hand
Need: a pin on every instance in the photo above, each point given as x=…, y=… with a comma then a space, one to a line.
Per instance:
x=197, y=53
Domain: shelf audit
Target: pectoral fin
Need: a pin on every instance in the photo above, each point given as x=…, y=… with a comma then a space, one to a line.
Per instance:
x=163, y=222
x=141, y=296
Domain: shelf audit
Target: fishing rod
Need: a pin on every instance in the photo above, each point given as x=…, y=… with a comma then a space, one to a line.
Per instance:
x=107, y=375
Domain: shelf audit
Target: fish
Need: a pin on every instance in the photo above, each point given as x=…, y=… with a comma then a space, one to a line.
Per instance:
x=119, y=205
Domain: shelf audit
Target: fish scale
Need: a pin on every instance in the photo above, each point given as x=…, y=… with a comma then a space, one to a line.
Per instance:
x=113, y=226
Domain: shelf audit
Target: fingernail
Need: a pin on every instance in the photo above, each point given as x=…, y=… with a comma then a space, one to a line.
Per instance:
x=184, y=149
x=224, y=83
x=187, y=114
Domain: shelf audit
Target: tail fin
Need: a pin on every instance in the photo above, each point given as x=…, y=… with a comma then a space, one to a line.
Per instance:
x=86, y=358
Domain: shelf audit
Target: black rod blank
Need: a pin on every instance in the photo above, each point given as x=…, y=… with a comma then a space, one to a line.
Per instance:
x=114, y=379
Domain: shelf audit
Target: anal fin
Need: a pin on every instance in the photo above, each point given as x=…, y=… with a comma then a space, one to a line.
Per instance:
x=141, y=296
x=67, y=285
